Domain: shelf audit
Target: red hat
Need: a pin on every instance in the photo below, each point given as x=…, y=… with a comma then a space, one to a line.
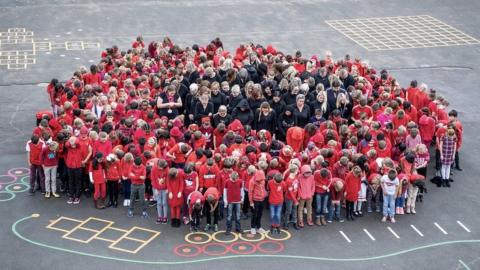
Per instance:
x=193, y=127
x=175, y=132
x=271, y=50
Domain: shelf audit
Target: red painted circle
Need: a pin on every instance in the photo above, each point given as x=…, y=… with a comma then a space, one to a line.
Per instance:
x=209, y=253
x=281, y=247
x=178, y=249
x=233, y=250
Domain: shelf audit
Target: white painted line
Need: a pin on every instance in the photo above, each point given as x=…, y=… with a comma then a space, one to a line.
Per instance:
x=463, y=226
x=69, y=33
x=91, y=61
x=464, y=264
x=47, y=52
x=393, y=232
x=418, y=231
x=369, y=235
x=345, y=236
x=62, y=55
x=42, y=84
x=57, y=35
x=45, y=39
x=440, y=228
x=77, y=58
x=80, y=30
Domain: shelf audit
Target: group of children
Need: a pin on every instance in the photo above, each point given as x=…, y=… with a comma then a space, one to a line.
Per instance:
x=204, y=133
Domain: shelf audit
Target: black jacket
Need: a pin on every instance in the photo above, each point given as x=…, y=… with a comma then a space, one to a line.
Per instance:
x=267, y=122
x=245, y=116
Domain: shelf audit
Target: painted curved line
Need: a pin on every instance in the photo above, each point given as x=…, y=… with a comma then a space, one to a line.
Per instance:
x=14, y=230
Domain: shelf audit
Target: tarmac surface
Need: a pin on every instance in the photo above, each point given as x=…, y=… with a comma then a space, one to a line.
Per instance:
x=49, y=234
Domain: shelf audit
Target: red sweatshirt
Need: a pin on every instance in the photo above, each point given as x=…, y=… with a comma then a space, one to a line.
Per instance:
x=48, y=157
x=233, y=191
x=75, y=155
x=136, y=173
x=159, y=177
x=277, y=191
x=35, y=151
x=320, y=182
x=113, y=172
x=352, y=187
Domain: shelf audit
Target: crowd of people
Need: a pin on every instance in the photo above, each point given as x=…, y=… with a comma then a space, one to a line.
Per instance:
x=204, y=133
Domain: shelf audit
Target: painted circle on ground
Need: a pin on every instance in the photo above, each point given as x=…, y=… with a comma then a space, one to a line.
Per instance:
x=214, y=237
x=25, y=180
x=7, y=179
x=213, y=244
x=287, y=236
x=17, y=187
x=250, y=237
x=18, y=171
x=241, y=248
x=260, y=246
x=187, y=250
x=198, y=234
x=6, y=196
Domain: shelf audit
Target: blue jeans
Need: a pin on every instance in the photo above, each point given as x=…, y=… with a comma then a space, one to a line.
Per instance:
x=400, y=201
x=334, y=211
x=162, y=205
x=275, y=214
x=233, y=209
x=321, y=200
x=388, y=205
x=290, y=209
x=126, y=189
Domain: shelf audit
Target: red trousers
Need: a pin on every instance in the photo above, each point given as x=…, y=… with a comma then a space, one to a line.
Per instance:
x=100, y=191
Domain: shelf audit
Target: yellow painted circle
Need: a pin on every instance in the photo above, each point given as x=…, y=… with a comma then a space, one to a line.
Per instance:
x=288, y=236
x=262, y=236
x=187, y=238
x=214, y=237
x=35, y=215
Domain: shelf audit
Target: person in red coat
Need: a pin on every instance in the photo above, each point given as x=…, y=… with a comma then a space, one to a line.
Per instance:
x=74, y=162
x=96, y=174
x=34, y=149
x=195, y=207
x=295, y=138
x=352, y=187
x=212, y=197
x=190, y=178
x=336, y=195
x=158, y=176
x=175, y=186
x=113, y=174
x=138, y=174
x=426, y=125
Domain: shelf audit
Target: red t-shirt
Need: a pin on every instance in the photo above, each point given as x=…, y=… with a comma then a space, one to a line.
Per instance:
x=98, y=174
x=234, y=190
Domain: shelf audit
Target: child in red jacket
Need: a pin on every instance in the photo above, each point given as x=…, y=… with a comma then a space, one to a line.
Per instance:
x=336, y=193
x=352, y=187
x=138, y=174
x=97, y=178
x=276, y=188
x=113, y=174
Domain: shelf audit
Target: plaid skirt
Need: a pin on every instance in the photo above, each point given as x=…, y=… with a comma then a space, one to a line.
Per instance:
x=448, y=145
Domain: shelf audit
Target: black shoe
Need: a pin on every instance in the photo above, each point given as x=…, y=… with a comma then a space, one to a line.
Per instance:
x=115, y=204
x=31, y=192
x=228, y=233
x=172, y=222
x=451, y=180
x=458, y=168
x=285, y=227
x=447, y=183
x=295, y=226
x=444, y=183
x=109, y=204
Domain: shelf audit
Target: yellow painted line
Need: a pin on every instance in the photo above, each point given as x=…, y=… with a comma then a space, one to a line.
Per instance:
x=104, y=239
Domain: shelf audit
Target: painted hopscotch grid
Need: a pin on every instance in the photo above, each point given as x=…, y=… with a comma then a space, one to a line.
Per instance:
x=402, y=32
x=96, y=234
x=24, y=55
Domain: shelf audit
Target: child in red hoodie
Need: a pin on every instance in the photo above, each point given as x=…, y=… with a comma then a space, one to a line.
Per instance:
x=113, y=174
x=276, y=188
x=323, y=182
x=256, y=195
x=138, y=174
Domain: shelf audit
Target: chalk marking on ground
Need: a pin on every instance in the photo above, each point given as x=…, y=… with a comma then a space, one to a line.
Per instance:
x=440, y=228
x=369, y=235
x=463, y=226
x=393, y=232
x=345, y=236
x=464, y=264
x=415, y=229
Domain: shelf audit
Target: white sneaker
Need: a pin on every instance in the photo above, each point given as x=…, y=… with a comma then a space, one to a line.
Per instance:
x=128, y=202
x=261, y=230
x=125, y=203
x=384, y=219
x=253, y=231
x=392, y=219
x=413, y=211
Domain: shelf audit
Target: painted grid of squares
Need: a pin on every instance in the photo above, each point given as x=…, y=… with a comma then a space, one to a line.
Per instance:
x=402, y=32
